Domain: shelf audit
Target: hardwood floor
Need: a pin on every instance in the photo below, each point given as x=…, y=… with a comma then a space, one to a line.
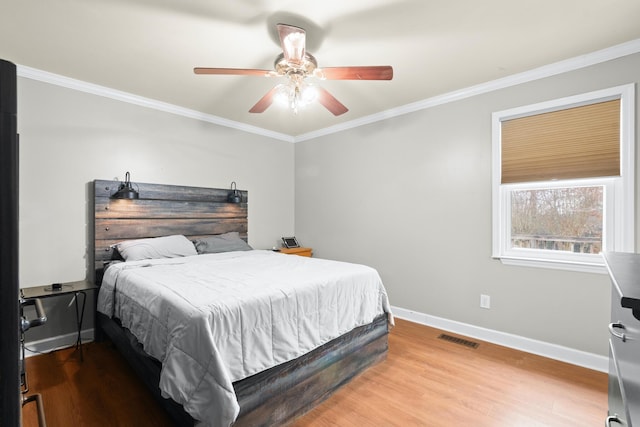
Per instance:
x=425, y=381
x=100, y=391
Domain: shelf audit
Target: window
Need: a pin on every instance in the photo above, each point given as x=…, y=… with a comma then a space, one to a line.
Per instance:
x=563, y=186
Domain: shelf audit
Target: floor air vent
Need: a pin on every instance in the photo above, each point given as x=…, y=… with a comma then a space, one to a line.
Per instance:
x=457, y=340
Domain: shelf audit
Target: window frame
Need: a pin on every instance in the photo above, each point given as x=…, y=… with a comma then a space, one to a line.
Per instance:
x=619, y=192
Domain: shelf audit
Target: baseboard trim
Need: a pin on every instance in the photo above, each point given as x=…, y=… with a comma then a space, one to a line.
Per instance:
x=47, y=345
x=541, y=348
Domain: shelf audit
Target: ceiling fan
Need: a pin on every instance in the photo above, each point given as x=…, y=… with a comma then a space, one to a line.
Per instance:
x=296, y=65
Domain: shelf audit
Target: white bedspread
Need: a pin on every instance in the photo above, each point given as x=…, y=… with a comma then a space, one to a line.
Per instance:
x=218, y=318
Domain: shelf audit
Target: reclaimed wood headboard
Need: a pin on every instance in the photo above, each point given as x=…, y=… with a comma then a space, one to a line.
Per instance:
x=161, y=210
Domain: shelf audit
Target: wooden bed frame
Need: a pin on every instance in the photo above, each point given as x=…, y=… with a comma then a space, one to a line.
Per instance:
x=272, y=397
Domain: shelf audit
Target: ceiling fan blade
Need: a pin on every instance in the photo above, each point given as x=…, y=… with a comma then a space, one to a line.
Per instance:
x=293, y=41
x=233, y=71
x=378, y=72
x=264, y=102
x=330, y=102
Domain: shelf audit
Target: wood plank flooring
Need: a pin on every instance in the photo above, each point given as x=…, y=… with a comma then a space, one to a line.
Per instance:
x=425, y=381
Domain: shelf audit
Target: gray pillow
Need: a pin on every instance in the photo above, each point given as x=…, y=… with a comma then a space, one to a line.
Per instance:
x=156, y=247
x=226, y=242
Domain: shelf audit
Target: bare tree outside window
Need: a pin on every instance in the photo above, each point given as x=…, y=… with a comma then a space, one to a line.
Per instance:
x=562, y=219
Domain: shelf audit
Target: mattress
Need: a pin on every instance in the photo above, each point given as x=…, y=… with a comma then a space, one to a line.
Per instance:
x=218, y=318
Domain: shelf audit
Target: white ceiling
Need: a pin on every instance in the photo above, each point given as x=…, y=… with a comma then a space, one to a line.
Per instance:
x=149, y=47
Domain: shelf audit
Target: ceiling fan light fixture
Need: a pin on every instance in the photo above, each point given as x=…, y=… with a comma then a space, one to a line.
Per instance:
x=281, y=96
x=296, y=95
x=308, y=94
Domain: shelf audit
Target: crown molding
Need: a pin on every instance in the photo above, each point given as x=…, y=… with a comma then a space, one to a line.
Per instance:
x=604, y=55
x=94, y=89
x=572, y=64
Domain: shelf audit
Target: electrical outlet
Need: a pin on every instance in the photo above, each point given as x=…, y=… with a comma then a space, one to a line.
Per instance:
x=485, y=301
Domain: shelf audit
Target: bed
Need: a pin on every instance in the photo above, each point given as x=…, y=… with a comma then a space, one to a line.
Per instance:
x=246, y=337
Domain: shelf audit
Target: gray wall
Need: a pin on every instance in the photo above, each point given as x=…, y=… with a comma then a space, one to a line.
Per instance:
x=411, y=196
x=69, y=138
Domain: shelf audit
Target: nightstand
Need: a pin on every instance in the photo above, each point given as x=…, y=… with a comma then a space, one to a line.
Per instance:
x=76, y=288
x=297, y=251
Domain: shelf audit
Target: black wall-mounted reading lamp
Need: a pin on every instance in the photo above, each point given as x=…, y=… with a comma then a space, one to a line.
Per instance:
x=126, y=190
x=234, y=195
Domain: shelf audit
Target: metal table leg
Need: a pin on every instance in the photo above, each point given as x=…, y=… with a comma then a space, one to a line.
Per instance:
x=79, y=318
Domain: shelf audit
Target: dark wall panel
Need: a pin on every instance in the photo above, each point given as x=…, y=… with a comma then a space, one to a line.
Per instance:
x=10, y=411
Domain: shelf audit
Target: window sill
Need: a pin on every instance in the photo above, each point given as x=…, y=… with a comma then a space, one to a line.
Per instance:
x=583, y=267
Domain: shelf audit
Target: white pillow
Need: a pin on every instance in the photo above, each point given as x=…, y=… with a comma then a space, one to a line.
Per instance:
x=156, y=247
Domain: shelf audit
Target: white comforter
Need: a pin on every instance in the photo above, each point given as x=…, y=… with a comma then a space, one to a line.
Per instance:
x=215, y=319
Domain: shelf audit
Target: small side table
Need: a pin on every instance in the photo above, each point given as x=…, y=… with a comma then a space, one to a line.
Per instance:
x=76, y=288
x=297, y=251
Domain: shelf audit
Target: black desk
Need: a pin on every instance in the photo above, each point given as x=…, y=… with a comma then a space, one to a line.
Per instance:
x=76, y=288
